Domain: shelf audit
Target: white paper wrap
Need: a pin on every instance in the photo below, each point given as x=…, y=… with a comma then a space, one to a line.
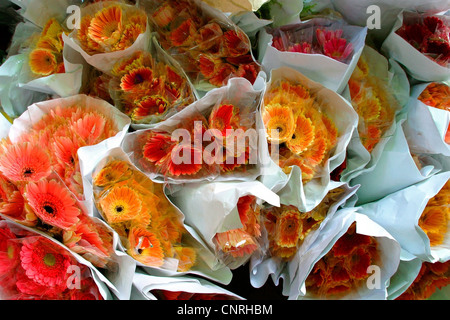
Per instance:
x=346, y=121
x=395, y=170
x=329, y=72
x=211, y=208
x=399, y=214
x=262, y=266
x=146, y=284
x=359, y=159
x=105, y=61
x=389, y=252
x=416, y=64
x=426, y=127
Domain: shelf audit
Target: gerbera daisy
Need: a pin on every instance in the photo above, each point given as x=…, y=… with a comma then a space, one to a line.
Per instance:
x=157, y=147
x=350, y=241
x=148, y=106
x=121, y=204
x=221, y=118
x=208, y=36
x=43, y=62
x=236, y=43
x=338, y=49
x=53, y=203
x=433, y=222
x=44, y=263
x=113, y=172
x=136, y=79
x=9, y=251
x=185, y=160
x=145, y=247
x=184, y=34
x=24, y=162
x=279, y=122
x=248, y=71
x=288, y=228
x=163, y=15
x=223, y=72
x=90, y=127
x=106, y=26
x=303, y=135
x=187, y=257
x=129, y=35
x=236, y=242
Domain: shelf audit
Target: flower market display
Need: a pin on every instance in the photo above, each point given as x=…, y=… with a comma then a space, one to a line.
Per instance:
x=210, y=150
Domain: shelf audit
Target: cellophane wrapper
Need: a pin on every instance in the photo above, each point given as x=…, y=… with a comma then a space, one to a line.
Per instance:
x=207, y=44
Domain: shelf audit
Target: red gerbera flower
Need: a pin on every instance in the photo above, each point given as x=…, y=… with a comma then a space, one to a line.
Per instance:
x=9, y=251
x=185, y=160
x=224, y=72
x=45, y=263
x=24, y=162
x=184, y=34
x=236, y=43
x=136, y=79
x=53, y=203
x=350, y=241
x=151, y=105
x=157, y=147
x=248, y=71
x=221, y=118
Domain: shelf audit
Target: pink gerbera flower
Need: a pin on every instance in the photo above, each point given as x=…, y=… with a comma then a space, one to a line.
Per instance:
x=24, y=162
x=90, y=127
x=53, y=203
x=44, y=263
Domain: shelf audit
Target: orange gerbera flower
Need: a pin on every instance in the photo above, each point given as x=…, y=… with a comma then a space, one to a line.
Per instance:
x=53, y=203
x=288, y=229
x=137, y=79
x=24, y=162
x=113, y=172
x=432, y=276
x=303, y=135
x=350, y=241
x=129, y=35
x=223, y=72
x=436, y=94
x=317, y=152
x=164, y=15
x=187, y=257
x=52, y=29
x=236, y=242
x=209, y=65
x=43, y=62
x=121, y=204
x=145, y=247
x=279, y=122
x=106, y=26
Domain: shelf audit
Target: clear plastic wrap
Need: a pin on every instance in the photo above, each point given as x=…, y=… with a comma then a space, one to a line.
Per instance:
x=209, y=46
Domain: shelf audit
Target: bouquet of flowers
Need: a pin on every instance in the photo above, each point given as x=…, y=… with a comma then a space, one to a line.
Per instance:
x=148, y=88
x=109, y=31
x=210, y=47
x=215, y=137
x=373, y=97
x=427, y=125
x=33, y=267
x=150, y=227
x=421, y=43
x=320, y=43
x=305, y=130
